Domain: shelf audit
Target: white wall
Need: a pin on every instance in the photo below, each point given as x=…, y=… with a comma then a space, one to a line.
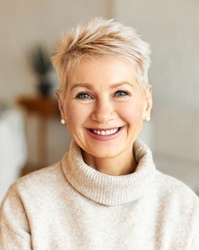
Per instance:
x=171, y=27
x=25, y=22
x=22, y=24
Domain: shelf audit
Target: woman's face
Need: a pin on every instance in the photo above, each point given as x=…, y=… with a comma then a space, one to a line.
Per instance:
x=104, y=107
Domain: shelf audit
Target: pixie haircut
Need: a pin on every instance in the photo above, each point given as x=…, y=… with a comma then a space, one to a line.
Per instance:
x=100, y=37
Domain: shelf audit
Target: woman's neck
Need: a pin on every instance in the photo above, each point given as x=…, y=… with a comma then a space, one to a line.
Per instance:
x=120, y=165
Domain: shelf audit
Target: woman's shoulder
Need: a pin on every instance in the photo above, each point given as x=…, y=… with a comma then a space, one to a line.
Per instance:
x=37, y=181
x=173, y=189
x=41, y=176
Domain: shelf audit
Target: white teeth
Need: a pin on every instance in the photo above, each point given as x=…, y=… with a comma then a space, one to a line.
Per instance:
x=105, y=132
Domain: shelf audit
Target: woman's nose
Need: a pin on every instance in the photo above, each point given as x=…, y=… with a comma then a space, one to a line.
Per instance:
x=103, y=111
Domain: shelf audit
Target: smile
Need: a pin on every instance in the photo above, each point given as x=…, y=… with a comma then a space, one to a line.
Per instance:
x=104, y=132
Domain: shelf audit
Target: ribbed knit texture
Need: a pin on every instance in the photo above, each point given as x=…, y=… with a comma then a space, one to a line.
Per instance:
x=107, y=189
x=72, y=206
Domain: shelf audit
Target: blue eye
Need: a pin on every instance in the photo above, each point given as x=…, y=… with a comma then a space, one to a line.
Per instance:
x=82, y=96
x=121, y=93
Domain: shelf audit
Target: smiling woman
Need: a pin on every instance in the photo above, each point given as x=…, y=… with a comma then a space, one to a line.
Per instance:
x=104, y=109
x=106, y=192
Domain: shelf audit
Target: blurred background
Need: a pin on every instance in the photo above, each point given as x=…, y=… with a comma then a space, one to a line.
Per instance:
x=31, y=135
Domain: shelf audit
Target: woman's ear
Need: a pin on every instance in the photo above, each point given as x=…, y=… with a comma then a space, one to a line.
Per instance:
x=60, y=104
x=149, y=97
x=149, y=101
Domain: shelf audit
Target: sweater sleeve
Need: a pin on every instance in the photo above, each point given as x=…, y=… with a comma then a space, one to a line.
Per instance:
x=14, y=226
x=195, y=242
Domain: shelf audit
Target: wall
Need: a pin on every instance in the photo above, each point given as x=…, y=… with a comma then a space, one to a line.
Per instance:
x=171, y=27
x=25, y=22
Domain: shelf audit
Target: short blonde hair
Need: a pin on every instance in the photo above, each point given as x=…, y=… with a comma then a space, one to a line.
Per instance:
x=101, y=37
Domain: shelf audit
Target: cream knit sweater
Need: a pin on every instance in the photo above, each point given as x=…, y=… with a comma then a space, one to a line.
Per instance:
x=72, y=206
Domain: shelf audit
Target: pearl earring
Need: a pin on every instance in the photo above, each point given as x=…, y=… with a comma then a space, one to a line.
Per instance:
x=62, y=121
x=147, y=118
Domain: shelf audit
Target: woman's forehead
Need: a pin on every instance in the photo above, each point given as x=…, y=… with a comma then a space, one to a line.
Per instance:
x=106, y=67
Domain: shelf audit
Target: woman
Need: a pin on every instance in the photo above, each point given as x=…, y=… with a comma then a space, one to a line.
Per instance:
x=106, y=192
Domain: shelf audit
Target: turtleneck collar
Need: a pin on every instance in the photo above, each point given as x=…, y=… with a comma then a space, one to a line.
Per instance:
x=107, y=189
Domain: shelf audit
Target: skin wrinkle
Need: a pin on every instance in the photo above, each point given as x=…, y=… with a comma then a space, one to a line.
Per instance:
x=100, y=80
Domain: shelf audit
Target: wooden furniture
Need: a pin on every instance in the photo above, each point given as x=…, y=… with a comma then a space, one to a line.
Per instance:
x=43, y=108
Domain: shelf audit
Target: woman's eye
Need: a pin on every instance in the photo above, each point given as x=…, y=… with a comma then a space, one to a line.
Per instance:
x=121, y=93
x=83, y=96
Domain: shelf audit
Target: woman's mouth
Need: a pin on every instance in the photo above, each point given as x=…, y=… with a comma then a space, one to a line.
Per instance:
x=105, y=132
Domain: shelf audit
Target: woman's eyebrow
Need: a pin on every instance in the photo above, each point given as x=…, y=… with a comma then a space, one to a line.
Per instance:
x=90, y=86
x=82, y=85
x=119, y=84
